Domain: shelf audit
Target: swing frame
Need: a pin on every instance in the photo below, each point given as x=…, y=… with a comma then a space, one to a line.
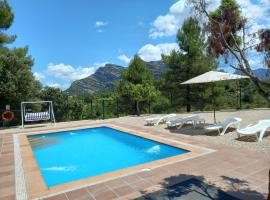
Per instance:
x=50, y=110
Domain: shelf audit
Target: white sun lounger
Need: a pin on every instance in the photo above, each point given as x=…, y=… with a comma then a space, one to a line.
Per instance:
x=225, y=125
x=158, y=119
x=253, y=129
x=179, y=122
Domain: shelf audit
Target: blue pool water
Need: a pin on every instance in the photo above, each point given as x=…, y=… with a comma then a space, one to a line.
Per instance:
x=68, y=156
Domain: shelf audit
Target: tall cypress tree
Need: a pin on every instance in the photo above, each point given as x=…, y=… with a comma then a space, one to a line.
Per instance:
x=191, y=60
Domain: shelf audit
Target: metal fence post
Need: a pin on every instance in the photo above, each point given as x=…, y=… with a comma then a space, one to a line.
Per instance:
x=117, y=107
x=149, y=106
x=126, y=106
x=103, y=109
x=240, y=96
x=91, y=104
x=171, y=98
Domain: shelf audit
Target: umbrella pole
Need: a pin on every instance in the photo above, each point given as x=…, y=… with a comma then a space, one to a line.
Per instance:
x=240, y=96
x=215, y=115
x=214, y=104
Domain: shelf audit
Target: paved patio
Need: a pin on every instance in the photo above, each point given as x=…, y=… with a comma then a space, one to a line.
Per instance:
x=241, y=172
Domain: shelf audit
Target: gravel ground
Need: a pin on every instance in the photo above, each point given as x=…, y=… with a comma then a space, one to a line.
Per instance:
x=229, y=139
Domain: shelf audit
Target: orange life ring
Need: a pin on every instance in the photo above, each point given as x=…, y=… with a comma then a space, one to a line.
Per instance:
x=9, y=118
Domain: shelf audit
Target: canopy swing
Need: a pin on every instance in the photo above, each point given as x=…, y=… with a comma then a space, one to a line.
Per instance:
x=37, y=116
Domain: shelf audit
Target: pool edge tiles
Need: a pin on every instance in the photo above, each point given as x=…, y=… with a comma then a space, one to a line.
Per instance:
x=33, y=174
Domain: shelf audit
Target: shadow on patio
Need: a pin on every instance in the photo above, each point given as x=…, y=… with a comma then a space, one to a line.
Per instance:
x=190, y=187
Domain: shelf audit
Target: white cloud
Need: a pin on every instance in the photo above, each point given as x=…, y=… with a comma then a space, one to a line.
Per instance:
x=253, y=11
x=256, y=13
x=168, y=24
x=100, y=24
x=124, y=58
x=150, y=52
x=70, y=73
x=54, y=85
x=39, y=76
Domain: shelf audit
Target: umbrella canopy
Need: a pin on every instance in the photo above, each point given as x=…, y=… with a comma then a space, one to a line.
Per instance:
x=213, y=76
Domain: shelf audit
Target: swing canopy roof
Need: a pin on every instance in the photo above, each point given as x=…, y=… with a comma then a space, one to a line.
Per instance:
x=213, y=76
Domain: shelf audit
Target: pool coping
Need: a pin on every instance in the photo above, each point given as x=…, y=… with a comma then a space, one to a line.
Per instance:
x=35, y=186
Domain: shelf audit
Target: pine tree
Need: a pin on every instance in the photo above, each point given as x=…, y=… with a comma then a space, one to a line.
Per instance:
x=136, y=83
x=191, y=60
x=230, y=36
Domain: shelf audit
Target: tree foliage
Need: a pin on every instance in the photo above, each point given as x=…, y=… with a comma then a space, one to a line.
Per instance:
x=136, y=83
x=6, y=19
x=223, y=28
x=16, y=79
x=65, y=108
x=229, y=36
x=190, y=61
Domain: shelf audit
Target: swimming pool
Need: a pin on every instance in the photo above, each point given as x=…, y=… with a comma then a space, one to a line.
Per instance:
x=73, y=155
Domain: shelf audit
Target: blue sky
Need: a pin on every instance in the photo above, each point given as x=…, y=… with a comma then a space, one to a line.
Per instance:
x=70, y=39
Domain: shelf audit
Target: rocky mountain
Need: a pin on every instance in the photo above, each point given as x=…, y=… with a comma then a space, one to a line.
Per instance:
x=262, y=73
x=103, y=79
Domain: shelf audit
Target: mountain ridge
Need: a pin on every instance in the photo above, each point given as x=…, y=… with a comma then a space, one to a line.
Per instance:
x=105, y=76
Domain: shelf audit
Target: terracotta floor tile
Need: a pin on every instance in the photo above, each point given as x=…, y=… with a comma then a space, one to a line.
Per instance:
x=159, y=170
x=5, y=162
x=263, y=188
x=57, y=197
x=7, y=173
x=115, y=183
x=8, y=148
x=155, y=180
x=254, y=183
x=81, y=194
x=7, y=183
x=145, y=174
x=7, y=178
x=132, y=196
x=95, y=189
x=261, y=175
x=7, y=152
x=6, y=168
x=245, y=171
x=7, y=191
x=10, y=154
x=141, y=185
x=131, y=178
x=10, y=197
x=105, y=195
x=172, y=180
x=123, y=190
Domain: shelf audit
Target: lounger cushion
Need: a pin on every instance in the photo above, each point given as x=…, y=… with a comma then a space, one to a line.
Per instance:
x=40, y=116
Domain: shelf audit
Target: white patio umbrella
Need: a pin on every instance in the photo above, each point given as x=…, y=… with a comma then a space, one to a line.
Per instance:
x=213, y=76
